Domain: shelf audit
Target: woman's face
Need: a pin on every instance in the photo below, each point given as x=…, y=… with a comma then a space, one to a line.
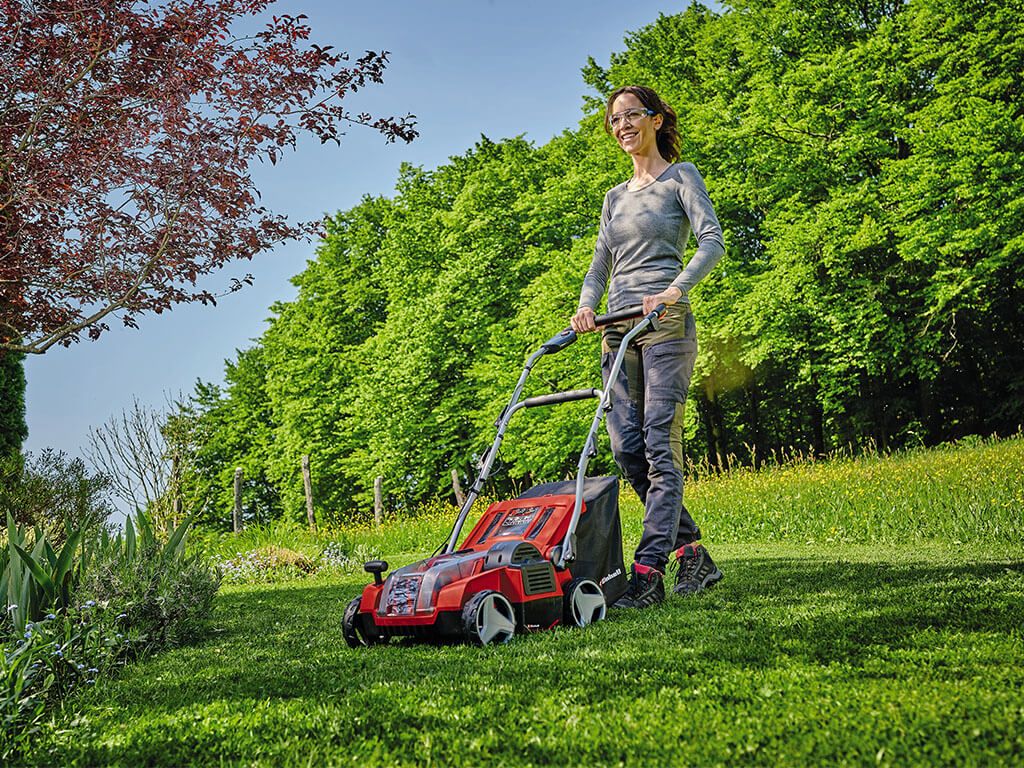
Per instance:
x=637, y=136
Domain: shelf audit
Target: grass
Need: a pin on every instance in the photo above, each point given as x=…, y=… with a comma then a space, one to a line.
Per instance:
x=818, y=648
x=956, y=493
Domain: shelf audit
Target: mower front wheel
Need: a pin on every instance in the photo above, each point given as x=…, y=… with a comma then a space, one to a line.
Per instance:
x=352, y=630
x=584, y=603
x=488, y=618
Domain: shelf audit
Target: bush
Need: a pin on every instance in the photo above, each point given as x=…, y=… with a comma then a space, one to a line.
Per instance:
x=265, y=564
x=110, y=597
x=164, y=603
x=34, y=577
x=281, y=550
x=53, y=491
x=165, y=592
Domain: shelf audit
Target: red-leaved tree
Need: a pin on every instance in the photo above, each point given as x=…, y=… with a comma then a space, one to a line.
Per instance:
x=127, y=130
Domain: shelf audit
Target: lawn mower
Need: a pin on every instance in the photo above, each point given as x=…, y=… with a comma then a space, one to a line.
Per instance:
x=552, y=556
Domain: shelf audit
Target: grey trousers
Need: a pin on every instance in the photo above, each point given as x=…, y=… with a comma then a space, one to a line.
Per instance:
x=645, y=425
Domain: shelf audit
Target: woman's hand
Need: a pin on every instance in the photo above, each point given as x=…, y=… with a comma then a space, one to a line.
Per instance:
x=583, y=320
x=668, y=297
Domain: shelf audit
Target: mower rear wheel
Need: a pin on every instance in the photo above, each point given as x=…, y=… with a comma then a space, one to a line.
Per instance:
x=488, y=618
x=584, y=603
x=352, y=630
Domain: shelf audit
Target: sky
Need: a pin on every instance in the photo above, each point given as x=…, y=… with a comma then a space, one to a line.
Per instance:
x=465, y=68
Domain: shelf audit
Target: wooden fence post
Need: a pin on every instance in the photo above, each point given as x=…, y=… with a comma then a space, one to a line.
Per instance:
x=237, y=517
x=175, y=492
x=460, y=497
x=308, y=485
x=378, y=500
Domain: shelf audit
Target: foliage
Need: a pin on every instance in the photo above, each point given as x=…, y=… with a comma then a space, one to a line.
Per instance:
x=864, y=159
x=128, y=130
x=165, y=592
x=99, y=601
x=278, y=551
x=214, y=433
x=13, y=429
x=36, y=579
x=49, y=659
x=131, y=450
x=268, y=563
x=829, y=651
x=54, y=491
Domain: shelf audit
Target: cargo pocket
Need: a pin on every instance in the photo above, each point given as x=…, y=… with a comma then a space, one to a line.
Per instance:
x=668, y=367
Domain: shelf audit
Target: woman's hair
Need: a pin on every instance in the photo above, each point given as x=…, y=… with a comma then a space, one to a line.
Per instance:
x=668, y=134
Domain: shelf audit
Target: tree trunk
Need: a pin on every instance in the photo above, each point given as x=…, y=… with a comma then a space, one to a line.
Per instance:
x=713, y=424
x=817, y=420
x=460, y=496
x=754, y=409
x=927, y=412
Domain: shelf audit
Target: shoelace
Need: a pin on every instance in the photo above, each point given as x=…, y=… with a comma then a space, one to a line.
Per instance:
x=687, y=566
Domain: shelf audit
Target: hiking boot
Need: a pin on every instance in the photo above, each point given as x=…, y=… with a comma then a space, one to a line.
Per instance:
x=646, y=587
x=697, y=571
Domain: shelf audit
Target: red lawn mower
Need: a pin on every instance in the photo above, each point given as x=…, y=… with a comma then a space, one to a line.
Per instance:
x=548, y=557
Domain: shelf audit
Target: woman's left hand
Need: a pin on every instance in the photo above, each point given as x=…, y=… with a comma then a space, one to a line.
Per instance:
x=668, y=297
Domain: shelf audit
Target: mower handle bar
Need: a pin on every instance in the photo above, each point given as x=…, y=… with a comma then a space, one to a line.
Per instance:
x=563, y=339
x=560, y=397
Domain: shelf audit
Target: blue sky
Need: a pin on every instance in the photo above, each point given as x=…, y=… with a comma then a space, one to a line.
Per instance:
x=466, y=68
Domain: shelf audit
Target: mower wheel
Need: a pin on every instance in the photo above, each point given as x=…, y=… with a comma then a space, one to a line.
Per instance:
x=488, y=618
x=352, y=631
x=584, y=603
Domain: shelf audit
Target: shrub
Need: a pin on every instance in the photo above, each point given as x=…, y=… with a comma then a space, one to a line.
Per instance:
x=34, y=578
x=53, y=491
x=165, y=592
x=109, y=597
x=265, y=564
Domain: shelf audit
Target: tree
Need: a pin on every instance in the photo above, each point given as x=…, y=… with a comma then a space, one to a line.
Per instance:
x=54, y=491
x=127, y=131
x=13, y=429
x=214, y=432
x=130, y=449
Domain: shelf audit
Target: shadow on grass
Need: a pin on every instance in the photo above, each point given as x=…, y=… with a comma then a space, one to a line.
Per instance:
x=846, y=611
x=767, y=611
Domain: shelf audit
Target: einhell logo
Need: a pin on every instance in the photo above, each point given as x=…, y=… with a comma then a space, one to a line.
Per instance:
x=512, y=520
x=610, y=576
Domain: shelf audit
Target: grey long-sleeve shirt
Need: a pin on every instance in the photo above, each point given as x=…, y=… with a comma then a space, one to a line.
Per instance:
x=643, y=236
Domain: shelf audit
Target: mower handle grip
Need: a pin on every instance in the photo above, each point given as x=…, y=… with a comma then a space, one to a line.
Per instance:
x=561, y=397
x=563, y=339
x=625, y=314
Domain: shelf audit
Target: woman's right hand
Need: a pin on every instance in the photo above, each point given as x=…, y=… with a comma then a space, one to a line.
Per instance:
x=583, y=320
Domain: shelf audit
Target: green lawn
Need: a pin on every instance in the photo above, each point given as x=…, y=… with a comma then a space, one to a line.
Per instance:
x=814, y=650
x=805, y=654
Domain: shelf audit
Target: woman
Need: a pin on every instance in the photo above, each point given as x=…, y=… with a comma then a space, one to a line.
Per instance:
x=645, y=224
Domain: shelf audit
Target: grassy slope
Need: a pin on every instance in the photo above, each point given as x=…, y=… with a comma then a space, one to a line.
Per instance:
x=808, y=653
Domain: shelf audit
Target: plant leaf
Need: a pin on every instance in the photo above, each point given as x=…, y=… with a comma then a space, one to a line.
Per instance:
x=42, y=578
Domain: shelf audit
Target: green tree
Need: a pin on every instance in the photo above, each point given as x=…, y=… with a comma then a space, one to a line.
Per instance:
x=13, y=429
x=218, y=430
